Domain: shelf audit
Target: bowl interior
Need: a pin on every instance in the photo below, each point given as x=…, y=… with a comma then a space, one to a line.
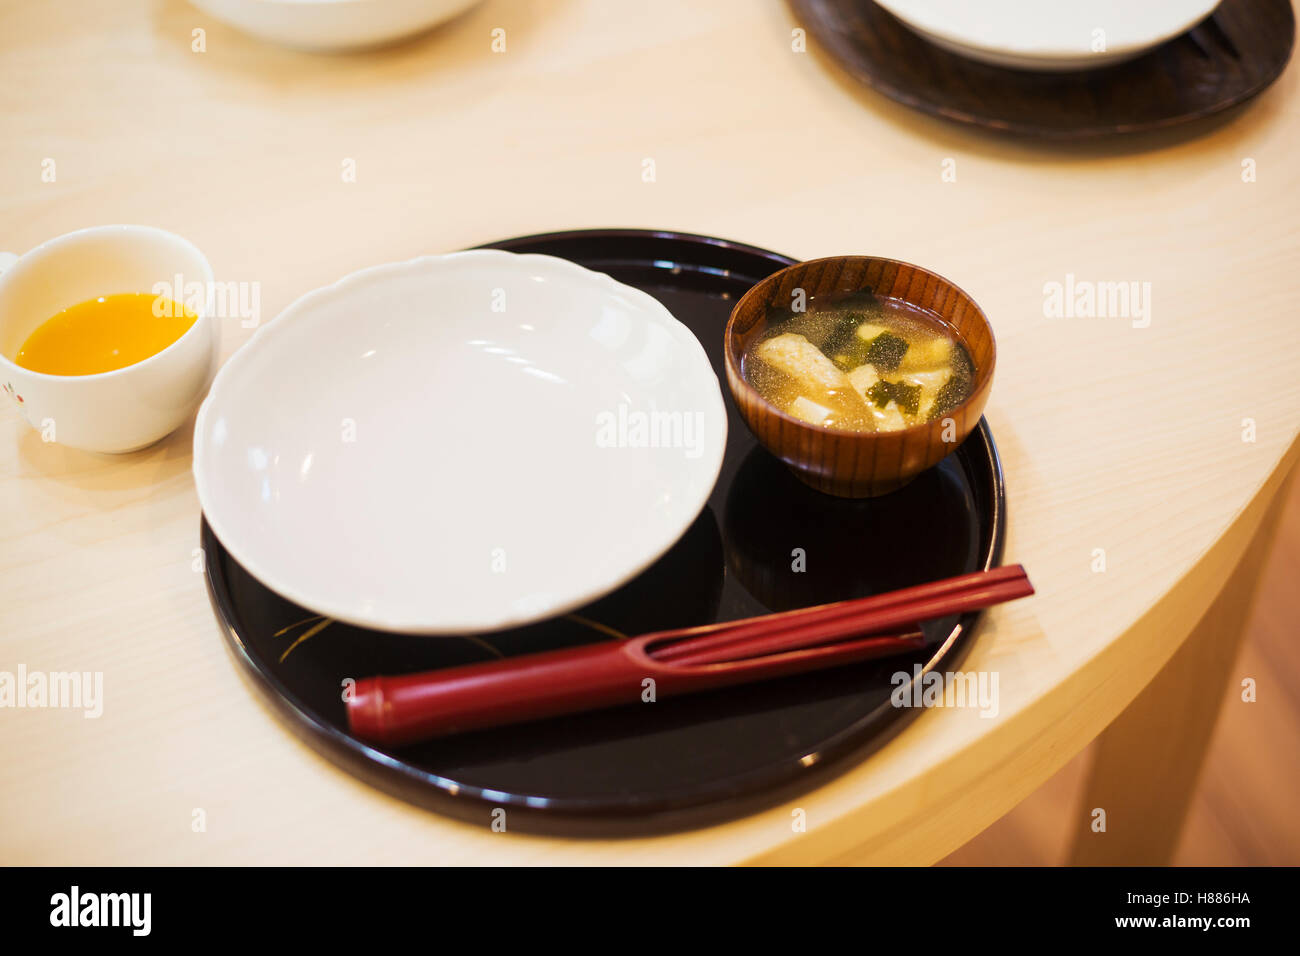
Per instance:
x=94, y=262
x=846, y=275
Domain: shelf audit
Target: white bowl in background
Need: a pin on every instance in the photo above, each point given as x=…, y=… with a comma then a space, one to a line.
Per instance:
x=1051, y=35
x=129, y=407
x=451, y=444
x=330, y=25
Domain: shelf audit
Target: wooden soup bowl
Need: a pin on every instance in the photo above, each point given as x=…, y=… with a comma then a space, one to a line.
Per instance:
x=852, y=464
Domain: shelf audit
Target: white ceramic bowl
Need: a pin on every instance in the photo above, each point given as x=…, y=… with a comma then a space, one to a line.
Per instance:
x=451, y=444
x=1053, y=35
x=130, y=407
x=333, y=24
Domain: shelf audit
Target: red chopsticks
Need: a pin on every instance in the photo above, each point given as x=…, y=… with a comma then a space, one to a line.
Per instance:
x=411, y=707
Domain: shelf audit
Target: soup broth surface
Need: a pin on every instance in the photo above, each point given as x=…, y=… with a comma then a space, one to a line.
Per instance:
x=862, y=362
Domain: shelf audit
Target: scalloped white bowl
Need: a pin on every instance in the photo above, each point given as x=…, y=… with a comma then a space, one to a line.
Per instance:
x=459, y=443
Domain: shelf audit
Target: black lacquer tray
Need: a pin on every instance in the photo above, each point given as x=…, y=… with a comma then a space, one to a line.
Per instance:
x=679, y=762
x=1222, y=62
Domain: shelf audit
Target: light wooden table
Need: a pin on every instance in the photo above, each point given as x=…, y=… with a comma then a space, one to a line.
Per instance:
x=1117, y=439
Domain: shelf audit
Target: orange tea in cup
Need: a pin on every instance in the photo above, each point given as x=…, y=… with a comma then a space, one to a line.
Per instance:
x=104, y=334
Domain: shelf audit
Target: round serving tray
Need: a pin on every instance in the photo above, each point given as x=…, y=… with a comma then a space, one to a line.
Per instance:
x=1225, y=60
x=764, y=542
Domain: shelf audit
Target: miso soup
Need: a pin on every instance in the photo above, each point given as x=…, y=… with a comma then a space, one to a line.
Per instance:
x=862, y=363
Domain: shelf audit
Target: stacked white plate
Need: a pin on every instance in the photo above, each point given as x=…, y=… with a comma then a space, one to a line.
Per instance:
x=1052, y=35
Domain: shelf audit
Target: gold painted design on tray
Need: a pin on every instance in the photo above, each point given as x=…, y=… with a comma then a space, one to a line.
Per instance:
x=320, y=625
x=323, y=622
x=597, y=626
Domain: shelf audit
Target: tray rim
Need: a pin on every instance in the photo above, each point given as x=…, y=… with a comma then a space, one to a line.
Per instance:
x=665, y=810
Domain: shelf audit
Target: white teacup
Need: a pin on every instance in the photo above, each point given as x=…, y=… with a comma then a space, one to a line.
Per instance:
x=130, y=407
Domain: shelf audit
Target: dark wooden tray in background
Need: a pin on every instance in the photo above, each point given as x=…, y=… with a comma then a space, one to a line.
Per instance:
x=1223, y=62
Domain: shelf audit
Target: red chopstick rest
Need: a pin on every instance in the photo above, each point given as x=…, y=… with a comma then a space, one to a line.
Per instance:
x=410, y=707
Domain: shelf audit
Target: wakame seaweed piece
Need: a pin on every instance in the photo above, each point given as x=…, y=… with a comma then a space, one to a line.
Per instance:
x=880, y=393
x=843, y=341
x=907, y=397
x=886, y=351
x=952, y=394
